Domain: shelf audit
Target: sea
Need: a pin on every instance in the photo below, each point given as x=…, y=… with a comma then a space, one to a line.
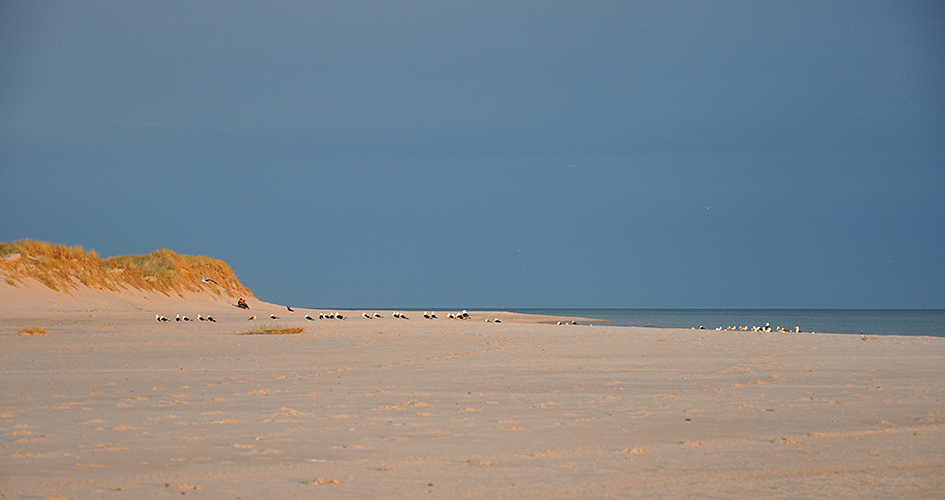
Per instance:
x=910, y=322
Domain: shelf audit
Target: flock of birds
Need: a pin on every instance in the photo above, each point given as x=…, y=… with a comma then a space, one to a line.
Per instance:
x=162, y=319
x=766, y=328
x=335, y=315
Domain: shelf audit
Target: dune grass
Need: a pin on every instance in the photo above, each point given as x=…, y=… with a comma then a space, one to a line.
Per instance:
x=33, y=330
x=64, y=268
x=273, y=330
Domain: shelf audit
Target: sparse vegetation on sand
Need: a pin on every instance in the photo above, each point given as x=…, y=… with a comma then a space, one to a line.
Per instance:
x=33, y=330
x=64, y=268
x=273, y=330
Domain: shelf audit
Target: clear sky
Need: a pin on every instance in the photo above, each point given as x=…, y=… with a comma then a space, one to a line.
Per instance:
x=491, y=154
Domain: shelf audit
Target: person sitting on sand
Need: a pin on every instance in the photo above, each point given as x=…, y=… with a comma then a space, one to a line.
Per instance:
x=242, y=304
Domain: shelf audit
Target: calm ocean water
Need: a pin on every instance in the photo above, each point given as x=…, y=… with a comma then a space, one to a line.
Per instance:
x=853, y=321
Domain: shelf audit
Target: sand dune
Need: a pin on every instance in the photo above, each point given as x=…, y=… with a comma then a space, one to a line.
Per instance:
x=110, y=402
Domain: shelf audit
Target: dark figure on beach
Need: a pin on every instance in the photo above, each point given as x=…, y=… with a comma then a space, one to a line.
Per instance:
x=242, y=304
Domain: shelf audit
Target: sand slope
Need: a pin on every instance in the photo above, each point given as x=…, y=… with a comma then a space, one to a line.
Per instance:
x=110, y=403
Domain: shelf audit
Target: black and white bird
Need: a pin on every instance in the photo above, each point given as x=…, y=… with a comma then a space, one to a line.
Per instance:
x=184, y=318
x=273, y=316
x=290, y=309
x=178, y=318
x=200, y=318
x=339, y=316
x=207, y=280
x=395, y=314
x=366, y=315
x=160, y=318
x=251, y=318
x=210, y=318
x=432, y=315
x=309, y=318
x=426, y=315
x=376, y=315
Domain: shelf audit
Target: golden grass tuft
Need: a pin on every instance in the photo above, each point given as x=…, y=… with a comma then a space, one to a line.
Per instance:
x=64, y=268
x=273, y=330
x=33, y=330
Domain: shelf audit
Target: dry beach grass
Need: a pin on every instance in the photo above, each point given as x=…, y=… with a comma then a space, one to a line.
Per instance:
x=66, y=268
x=114, y=404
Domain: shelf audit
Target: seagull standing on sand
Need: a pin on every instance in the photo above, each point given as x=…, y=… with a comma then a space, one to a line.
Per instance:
x=377, y=315
x=309, y=318
x=210, y=318
x=273, y=316
x=200, y=318
x=251, y=318
x=178, y=318
x=290, y=309
x=366, y=315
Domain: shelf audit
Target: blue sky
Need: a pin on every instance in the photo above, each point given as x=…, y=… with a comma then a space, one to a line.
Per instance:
x=493, y=154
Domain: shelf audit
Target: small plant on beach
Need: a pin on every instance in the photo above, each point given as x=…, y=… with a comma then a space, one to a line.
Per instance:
x=33, y=330
x=11, y=282
x=273, y=330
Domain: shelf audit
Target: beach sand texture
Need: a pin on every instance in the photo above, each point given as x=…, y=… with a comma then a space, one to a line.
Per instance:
x=109, y=403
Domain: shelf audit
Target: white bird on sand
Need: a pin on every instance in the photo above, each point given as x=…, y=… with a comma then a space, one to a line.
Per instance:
x=251, y=318
x=178, y=318
x=376, y=315
x=432, y=315
x=200, y=318
x=395, y=314
x=366, y=315
x=309, y=318
x=160, y=318
x=273, y=316
x=290, y=309
x=497, y=320
x=206, y=280
x=339, y=316
x=426, y=315
x=210, y=318
x=184, y=318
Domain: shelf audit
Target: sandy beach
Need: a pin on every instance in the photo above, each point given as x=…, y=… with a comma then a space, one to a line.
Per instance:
x=110, y=403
